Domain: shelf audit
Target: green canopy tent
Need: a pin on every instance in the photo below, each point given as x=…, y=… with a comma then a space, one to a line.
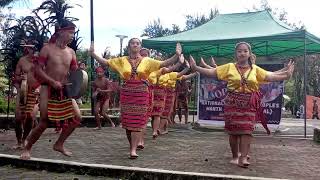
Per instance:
x=268, y=36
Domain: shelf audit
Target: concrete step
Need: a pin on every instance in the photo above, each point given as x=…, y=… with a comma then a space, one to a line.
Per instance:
x=87, y=121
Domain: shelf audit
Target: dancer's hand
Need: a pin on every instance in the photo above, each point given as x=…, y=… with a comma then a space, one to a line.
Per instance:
x=289, y=64
x=23, y=76
x=178, y=49
x=290, y=69
x=213, y=62
x=165, y=70
x=193, y=64
x=202, y=63
x=181, y=59
x=94, y=95
x=187, y=64
x=91, y=49
x=57, y=85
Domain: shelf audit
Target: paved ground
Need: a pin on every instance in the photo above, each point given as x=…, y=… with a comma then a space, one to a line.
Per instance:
x=183, y=149
x=12, y=173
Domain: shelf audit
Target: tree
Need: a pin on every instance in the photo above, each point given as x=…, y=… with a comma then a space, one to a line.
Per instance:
x=195, y=21
x=75, y=44
x=4, y=3
x=280, y=14
x=37, y=30
x=58, y=10
x=26, y=28
x=12, y=50
x=156, y=29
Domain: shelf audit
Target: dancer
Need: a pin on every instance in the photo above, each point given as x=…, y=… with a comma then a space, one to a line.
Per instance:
x=183, y=91
x=169, y=81
x=159, y=94
x=102, y=90
x=242, y=101
x=135, y=94
x=25, y=113
x=55, y=61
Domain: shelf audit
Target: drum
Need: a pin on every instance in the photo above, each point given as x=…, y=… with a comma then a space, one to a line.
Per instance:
x=77, y=84
x=23, y=92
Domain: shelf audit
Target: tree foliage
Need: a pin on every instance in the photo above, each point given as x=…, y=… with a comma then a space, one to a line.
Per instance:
x=33, y=28
x=155, y=29
x=195, y=21
x=4, y=3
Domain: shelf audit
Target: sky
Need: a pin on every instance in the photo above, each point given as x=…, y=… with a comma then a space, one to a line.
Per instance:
x=130, y=17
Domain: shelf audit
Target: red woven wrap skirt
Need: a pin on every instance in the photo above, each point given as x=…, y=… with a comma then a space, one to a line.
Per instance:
x=169, y=102
x=135, y=105
x=32, y=100
x=158, y=103
x=240, y=111
x=60, y=108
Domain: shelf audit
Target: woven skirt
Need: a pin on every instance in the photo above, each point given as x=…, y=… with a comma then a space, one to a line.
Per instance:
x=239, y=113
x=169, y=102
x=60, y=109
x=158, y=103
x=32, y=100
x=135, y=105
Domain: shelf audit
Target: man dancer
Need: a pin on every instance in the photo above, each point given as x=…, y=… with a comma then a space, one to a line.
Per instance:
x=102, y=90
x=55, y=61
x=183, y=90
x=25, y=113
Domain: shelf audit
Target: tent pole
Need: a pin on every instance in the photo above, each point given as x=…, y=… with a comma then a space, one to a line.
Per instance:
x=8, y=105
x=267, y=44
x=92, y=59
x=194, y=99
x=305, y=86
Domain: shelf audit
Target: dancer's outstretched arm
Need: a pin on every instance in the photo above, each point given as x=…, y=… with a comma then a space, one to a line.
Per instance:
x=189, y=76
x=285, y=68
x=175, y=66
x=174, y=58
x=204, y=64
x=184, y=71
x=213, y=63
x=280, y=76
x=101, y=60
x=207, y=72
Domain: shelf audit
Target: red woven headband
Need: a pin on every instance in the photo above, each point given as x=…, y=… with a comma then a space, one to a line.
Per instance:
x=99, y=69
x=66, y=29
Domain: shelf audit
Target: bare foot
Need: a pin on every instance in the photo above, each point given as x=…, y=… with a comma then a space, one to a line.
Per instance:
x=62, y=150
x=239, y=154
x=57, y=130
x=164, y=132
x=97, y=128
x=243, y=162
x=19, y=146
x=154, y=135
x=140, y=147
x=234, y=161
x=25, y=154
x=112, y=124
x=133, y=156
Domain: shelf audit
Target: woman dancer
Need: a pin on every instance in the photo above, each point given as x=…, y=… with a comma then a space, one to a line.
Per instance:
x=242, y=101
x=135, y=94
